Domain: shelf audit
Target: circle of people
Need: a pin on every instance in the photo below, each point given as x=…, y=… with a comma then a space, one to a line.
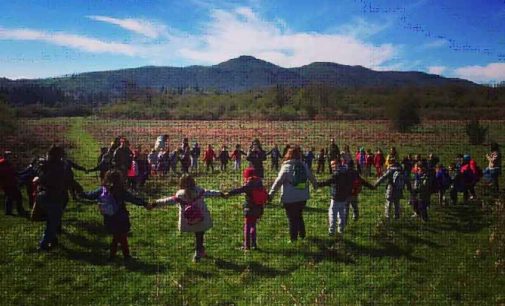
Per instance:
x=49, y=181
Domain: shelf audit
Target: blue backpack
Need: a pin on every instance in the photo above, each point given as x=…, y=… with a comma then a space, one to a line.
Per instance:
x=107, y=203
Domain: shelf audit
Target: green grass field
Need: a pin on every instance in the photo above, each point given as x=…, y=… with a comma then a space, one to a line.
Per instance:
x=443, y=262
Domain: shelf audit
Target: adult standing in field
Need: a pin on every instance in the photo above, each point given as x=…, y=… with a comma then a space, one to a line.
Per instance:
x=256, y=157
x=293, y=180
x=494, y=166
x=53, y=181
x=333, y=153
x=9, y=184
x=161, y=143
x=123, y=157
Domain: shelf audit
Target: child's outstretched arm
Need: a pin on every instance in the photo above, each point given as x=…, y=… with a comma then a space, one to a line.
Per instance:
x=327, y=182
x=366, y=183
x=213, y=193
x=311, y=178
x=128, y=197
x=171, y=200
x=91, y=195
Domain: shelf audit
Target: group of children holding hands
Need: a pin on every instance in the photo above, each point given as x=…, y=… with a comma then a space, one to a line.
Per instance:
x=420, y=177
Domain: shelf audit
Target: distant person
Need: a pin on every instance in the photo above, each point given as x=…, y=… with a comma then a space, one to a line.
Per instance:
x=442, y=182
x=333, y=153
x=208, y=157
x=321, y=158
x=123, y=157
x=9, y=185
x=378, y=162
x=309, y=157
x=294, y=177
x=163, y=162
x=345, y=155
x=224, y=157
x=194, y=216
x=256, y=197
x=161, y=143
x=357, y=185
x=185, y=158
x=369, y=162
x=152, y=159
x=236, y=156
x=421, y=192
x=256, y=157
x=113, y=195
x=275, y=156
x=195, y=155
x=493, y=170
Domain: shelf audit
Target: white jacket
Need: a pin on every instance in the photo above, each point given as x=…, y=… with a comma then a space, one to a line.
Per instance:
x=289, y=193
x=206, y=224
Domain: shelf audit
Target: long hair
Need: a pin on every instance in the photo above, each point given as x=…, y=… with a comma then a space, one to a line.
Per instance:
x=113, y=180
x=293, y=153
x=188, y=184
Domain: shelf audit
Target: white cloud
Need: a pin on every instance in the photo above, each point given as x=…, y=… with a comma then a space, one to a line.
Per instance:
x=435, y=44
x=233, y=33
x=436, y=69
x=140, y=26
x=361, y=28
x=228, y=34
x=79, y=42
x=492, y=72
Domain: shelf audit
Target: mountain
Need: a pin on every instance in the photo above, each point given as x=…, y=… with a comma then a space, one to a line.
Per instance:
x=235, y=75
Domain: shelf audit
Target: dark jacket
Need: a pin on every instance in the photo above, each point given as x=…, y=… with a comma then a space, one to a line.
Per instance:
x=256, y=158
x=341, y=183
x=118, y=223
x=55, y=179
x=250, y=209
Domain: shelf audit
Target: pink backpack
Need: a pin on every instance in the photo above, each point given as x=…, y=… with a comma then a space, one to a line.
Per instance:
x=191, y=212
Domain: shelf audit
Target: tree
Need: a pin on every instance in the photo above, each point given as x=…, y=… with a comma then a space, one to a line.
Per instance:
x=476, y=132
x=403, y=113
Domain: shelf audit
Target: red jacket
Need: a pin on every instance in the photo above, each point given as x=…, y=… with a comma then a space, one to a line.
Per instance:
x=378, y=160
x=209, y=155
x=369, y=160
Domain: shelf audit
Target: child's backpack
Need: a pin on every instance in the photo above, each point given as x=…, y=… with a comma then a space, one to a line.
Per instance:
x=108, y=205
x=191, y=212
x=258, y=195
x=398, y=180
x=356, y=186
x=299, y=176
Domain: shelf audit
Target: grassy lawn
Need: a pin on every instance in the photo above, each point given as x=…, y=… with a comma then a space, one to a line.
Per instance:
x=445, y=261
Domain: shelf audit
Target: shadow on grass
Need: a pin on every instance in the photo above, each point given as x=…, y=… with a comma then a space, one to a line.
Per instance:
x=254, y=267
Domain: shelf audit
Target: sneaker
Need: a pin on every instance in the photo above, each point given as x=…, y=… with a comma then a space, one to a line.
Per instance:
x=331, y=234
x=196, y=257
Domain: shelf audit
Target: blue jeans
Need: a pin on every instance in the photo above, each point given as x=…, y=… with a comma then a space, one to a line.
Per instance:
x=337, y=213
x=54, y=212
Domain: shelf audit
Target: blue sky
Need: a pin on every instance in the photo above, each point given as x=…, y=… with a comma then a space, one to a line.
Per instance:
x=461, y=38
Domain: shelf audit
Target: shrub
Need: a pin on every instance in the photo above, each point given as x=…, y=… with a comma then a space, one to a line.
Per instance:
x=403, y=113
x=476, y=132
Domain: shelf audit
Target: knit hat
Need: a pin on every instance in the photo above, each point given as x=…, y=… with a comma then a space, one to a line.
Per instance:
x=248, y=172
x=467, y=157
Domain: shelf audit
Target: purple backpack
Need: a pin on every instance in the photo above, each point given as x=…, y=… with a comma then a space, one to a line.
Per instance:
x=107, y=203
x=191, y=212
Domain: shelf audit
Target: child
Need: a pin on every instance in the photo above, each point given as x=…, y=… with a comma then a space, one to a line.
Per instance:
x=457, y=184
x=321, y=157
x=421, y=192
x=378, y=162
x=224, y=157
x=442, y=182
x=163, y=162
x=255, y=197
x=345, y=155
x=195, y=155
x=361, y=160
x=275, y=155
x=396, y=181
x=194, y=216
x=236, y=156
x=309, y=158
x=357, y=184
x=172, y=161
x=341, y=190
x=369, y=162
x=133, y=173
x=208, y=157
x=117, y=221
x=185, y=158
x=152, y=159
